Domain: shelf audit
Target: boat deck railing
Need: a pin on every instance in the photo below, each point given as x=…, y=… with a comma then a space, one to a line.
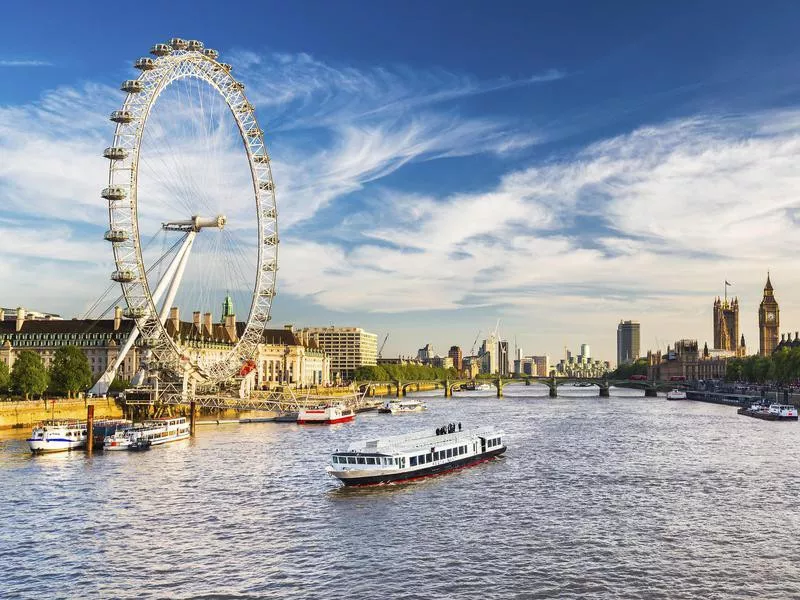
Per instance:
x=422, y=439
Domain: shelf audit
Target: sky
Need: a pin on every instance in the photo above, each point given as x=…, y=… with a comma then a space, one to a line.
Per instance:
x=440, y=166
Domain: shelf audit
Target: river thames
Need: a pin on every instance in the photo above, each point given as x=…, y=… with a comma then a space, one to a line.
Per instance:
x=621, y=497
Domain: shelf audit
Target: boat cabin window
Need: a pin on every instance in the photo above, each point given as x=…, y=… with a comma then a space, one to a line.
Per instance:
x=449, y=453
x=351, y=460
x=413, y=461
x=429, y=457
x=362, y=460
x=370, y=460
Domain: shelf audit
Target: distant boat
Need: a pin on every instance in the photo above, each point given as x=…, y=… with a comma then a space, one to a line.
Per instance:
x=484, y=387
x=402, y=406
x=325, y=415
x=676, y=394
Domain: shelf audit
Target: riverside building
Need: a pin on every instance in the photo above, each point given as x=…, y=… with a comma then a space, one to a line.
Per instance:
x=282, y=358
x=348, y=348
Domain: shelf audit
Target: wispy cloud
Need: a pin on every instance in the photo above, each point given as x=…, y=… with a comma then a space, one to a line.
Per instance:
x=24, y=63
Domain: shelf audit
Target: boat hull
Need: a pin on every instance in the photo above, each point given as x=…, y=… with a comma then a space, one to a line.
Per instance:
x=54, y=445
x=343, y=419
x=764, y=415
x=432, y=471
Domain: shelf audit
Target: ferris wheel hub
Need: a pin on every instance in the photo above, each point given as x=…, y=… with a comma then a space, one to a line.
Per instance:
x=196, y=223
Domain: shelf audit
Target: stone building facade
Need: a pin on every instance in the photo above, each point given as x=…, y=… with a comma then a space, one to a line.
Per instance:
x=685, y=362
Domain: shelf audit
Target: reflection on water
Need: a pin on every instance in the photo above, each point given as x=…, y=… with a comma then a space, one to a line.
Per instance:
x=618, y=497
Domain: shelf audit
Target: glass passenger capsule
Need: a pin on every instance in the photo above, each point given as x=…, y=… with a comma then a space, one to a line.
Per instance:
x=135, y=312
x=194, y=45
x=177, y=43
x=132, y=86
x=160, y=49
x=123, y=276
x=114, y=153
x=121, y=116
x=113, y=192
x=211, y=53
x=145, y=64
x=116, y=235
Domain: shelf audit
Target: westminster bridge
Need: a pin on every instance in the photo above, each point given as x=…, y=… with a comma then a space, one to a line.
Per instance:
x=399, y=388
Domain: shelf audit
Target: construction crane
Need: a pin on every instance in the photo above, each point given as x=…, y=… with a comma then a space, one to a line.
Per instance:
x=475, y=343
x=380, y=351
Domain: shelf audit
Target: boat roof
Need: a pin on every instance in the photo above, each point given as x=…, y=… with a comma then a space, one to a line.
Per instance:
x=420, y=439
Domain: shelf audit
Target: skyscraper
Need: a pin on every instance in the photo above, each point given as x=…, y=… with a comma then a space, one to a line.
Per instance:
x=586, y=352
x=502, y=357
x=455, y=354
x=769, y=321
x=627, y=342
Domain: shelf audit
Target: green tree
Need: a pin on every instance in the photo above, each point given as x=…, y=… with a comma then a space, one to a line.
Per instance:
x=119, y=385
x=29, y=375
x=637, y=367
x=5, y=378
x=70, y=372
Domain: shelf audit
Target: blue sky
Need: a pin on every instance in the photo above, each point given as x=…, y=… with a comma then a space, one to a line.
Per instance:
x=440, y=165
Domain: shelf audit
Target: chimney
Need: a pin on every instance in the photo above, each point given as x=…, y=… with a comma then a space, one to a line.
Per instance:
x=230, y=327
x=196, y=321
x=117, y=318
x=20, y=317
x=175, y=318
x=207, y=327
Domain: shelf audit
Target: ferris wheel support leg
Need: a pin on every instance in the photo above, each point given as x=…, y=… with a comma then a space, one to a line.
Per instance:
x=185, y=250
x=102, y=385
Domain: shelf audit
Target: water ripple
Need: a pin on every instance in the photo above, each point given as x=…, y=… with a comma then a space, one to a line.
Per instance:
x=601, y=498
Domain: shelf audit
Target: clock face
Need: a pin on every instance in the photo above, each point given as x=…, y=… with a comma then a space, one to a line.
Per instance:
x=770, y=316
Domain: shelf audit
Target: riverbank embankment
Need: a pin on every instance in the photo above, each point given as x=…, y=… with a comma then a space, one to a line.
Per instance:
x=24, y=413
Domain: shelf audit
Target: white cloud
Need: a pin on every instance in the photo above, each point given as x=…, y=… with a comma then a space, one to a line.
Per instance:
x=637, y=226
x=24, y=63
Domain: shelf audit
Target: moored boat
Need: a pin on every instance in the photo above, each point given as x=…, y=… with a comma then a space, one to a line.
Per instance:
x=484, y=387
x=773, y=412
x=325, y=415
x=676, y=394
x=57, y=436
x=149, y=433
x=414, y=455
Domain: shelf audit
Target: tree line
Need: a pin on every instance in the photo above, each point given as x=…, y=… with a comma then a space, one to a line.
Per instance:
x=624, y=371
x=403, y=373
x=68, y=374
x=782, y=367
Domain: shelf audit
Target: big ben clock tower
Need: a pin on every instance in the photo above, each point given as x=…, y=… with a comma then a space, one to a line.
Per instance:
x=768, y=321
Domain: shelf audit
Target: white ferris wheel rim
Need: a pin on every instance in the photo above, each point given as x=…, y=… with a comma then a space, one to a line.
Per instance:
x=177, y=60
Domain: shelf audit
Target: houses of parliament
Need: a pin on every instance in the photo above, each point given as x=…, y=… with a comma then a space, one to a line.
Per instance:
x=726, y=325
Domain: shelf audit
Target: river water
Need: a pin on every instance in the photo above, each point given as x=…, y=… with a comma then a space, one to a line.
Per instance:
x=622, y=497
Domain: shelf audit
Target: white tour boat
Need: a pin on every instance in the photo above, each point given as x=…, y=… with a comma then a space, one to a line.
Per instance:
x=402, y=406
x=484, y=387
x=57, y=436
x=676, y=394
x=414, y=455
x=783, y=412
x=149, y=433
x=325, y=415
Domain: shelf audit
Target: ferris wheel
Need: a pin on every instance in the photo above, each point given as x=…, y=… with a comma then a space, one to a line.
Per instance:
x=192, y=214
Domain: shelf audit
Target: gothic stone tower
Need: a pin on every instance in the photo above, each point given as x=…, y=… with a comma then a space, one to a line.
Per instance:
x=769, y=321
x=726, y=324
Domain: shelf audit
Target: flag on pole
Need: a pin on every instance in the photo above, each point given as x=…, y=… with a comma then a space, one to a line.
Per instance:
x=726, y=283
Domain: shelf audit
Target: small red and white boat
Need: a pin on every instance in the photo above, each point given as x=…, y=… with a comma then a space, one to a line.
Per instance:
x=325, y=415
